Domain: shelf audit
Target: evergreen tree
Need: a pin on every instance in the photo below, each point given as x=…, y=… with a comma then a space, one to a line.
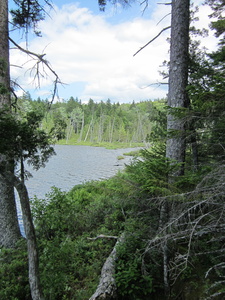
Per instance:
x=178, y=79
x=9, y=228
x=26, y=16
x=206, y=91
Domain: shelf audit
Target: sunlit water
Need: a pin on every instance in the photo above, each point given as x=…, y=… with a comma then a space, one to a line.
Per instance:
x=74, y=165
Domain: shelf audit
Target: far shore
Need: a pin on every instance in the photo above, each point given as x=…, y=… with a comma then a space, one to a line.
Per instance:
x=103, y=144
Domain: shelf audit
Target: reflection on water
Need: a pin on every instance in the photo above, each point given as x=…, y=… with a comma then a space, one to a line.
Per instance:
x=74, y=165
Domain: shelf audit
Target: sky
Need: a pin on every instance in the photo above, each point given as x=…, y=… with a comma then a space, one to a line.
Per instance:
x=93, y=52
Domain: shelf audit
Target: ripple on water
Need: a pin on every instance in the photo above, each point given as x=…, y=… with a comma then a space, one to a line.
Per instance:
x=74, y=165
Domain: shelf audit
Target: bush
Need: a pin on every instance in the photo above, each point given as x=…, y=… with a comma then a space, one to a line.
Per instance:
x=14, y=283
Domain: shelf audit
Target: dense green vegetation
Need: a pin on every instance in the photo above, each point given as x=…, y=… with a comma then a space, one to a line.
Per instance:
x=71, y=256
x=173, y=230
x=104, y=123
x=178, y=225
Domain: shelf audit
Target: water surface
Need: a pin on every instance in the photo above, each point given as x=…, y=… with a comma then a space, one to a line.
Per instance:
x=74, y=165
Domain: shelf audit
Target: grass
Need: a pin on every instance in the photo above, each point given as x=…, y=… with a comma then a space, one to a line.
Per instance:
x=102, y=144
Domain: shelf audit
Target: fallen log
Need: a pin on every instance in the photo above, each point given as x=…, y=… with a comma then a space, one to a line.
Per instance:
x=106, y=288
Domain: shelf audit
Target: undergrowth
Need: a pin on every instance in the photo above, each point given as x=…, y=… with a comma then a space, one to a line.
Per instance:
x=71, y=257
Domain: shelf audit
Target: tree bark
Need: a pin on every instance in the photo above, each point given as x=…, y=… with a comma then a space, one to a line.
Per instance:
x=9, y=227
x=177, y=102
x=107, y=286
x=33, y=262
x=178, y=79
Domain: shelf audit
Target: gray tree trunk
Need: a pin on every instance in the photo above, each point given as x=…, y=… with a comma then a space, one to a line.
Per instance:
x=178, y=78
x=9, y=227
x=106, y=288
x=177, y=102
x=33, y=262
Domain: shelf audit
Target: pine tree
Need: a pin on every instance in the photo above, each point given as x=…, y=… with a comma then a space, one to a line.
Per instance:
x=178, y=80
x=9, y=228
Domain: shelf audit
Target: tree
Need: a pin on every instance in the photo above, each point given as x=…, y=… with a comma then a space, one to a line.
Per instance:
x=9, y=227
x=23, y=140
x=178, y=80
x=177, y=101
x=206, y=93
x=20, y=146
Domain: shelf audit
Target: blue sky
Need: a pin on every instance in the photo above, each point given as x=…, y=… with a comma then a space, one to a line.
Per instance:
x=92, y=52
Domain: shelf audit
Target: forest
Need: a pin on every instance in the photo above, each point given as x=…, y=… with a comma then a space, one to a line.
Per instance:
x=71, y=122
x=153, y=231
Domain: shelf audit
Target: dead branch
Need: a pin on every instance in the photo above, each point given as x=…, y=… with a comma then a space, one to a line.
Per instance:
x=146, y=5
x=164, y=3
x=164, y=29
x=102, y=236
x=163, y=18
x=40, y=59
x=156, y=83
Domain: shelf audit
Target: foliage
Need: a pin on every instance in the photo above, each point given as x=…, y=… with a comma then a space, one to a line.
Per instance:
x=69, y=262
x=137, y=278
x=14, y=274
x=174, y=230
x=124, y=3
x=151, y=171
x=23, y=140
x=102, y=123
x=28, y=14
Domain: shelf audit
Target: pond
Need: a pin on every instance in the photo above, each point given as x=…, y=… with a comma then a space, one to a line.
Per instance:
x=74, y=165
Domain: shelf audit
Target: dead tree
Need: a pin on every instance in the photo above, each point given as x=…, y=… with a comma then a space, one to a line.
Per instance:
x=106, y=288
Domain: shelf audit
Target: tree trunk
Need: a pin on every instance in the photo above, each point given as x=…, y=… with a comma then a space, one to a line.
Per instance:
x=178, y=78
x=9, y=227
x=33, y=262
x=177, y=102
x=4, y=56
x=89, y=127
x=107, y=285
x=82, y=128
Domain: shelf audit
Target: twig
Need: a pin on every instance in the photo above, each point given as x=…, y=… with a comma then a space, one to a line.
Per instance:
x=163, y=18
x=168, y=27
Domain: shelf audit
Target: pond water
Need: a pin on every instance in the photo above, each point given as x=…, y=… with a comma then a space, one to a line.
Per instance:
x=74, y=165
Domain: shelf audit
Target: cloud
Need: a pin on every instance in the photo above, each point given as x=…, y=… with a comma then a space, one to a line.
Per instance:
x=85, y=48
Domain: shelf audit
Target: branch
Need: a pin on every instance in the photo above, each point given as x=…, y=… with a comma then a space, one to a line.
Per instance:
x=100, y=236
x=155, y=83
x=164, y=3
x=163, y=18
x=168, y=27
x=146, y=5
x=41, y=59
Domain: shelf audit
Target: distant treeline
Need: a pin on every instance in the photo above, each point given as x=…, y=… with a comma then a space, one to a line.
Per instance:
x=105, y=122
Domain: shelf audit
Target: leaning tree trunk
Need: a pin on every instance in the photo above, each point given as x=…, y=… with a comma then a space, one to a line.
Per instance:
x=33, y=261
x=9, y=227
x=106, y=289
x=178, y=79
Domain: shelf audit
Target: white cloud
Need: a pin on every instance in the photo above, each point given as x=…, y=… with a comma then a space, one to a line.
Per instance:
x=86, y=48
